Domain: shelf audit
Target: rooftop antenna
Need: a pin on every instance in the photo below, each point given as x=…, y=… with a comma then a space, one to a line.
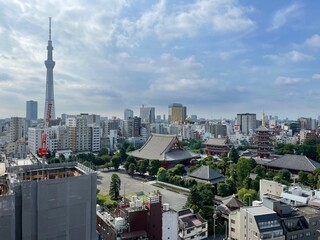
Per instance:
x=49, y=28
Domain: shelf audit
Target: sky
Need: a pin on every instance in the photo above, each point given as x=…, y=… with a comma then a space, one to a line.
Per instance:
x=217, y=57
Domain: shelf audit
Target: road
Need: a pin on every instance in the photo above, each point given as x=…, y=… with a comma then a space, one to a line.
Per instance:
x=131, y=186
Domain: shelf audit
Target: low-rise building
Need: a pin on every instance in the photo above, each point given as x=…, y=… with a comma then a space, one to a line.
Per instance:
x=191, y=225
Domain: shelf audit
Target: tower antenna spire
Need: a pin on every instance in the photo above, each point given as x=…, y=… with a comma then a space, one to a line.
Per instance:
x=50, y=28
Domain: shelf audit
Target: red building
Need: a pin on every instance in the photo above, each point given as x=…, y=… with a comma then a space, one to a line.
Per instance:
x=217, y=146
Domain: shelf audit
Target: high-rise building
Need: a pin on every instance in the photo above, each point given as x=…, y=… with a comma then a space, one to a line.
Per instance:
x=177, y=112
x=49, y=102
x=32, y=110
x=17, y=129
x=131, y=127
x=128, y=113
x=79, y=134
x=147, y=114
x=247, y=122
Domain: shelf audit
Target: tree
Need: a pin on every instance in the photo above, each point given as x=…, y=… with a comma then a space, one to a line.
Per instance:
x=129, y=160
x=284, y=175
x=303, y=177
x=260, y=171
x=179, y=169
x=223, y=190
x=103, y=151
x=244, y=167
x=116, y=162
x=154, y=167
x=142, y=166
x=162, y=174
x=131, y=169
x=234, y=155
x=115, y=186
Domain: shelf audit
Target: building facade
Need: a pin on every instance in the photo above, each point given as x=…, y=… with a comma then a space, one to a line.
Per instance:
x=177, y=113
x=247, y=122
x=32, y=110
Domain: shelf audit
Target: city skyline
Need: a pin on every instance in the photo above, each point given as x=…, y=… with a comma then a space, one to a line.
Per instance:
x=218, y=58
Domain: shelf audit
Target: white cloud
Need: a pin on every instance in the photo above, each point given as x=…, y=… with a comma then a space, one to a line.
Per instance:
x=316, y=76
x=292, y=56
x=296, y=56
x=287, y=81
x=282, y=16
x=314, y=41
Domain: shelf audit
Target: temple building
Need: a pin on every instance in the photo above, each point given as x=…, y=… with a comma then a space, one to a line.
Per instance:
x=218, y=146
x=165, y=148
x=263, y=140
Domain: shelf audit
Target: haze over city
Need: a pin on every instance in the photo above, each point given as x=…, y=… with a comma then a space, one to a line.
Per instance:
x=215, y=57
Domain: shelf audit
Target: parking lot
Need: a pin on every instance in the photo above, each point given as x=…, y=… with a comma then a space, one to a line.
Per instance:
x=131, y=185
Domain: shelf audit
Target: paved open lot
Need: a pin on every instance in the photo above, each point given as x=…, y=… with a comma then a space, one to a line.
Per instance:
x=131, y=185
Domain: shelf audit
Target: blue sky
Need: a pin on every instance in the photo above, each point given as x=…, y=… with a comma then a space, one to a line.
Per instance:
x=217, y=57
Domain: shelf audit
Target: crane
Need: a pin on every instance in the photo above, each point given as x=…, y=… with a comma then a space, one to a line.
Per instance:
x=43, y=151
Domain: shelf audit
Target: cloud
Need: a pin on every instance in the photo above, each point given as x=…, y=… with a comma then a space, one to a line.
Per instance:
x=282, y=16
x=288, y=81
x=313, y=41
x=316, y=76
x=186, y=21
x=292, y=56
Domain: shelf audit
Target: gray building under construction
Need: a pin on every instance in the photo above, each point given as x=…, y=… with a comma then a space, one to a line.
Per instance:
x=56, y=201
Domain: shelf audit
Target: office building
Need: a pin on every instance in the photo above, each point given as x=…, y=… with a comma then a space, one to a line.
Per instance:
x=177, y=113
x=132, y=127
x=247, y=122
x=128, y=113
x=147, y=114
x=49, y=107
x=32, y=110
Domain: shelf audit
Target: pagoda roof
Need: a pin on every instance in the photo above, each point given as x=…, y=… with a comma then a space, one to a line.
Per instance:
x=262, y=129
x=160, y=147
x=217, y=141
x=207, y=174
x=294, y=162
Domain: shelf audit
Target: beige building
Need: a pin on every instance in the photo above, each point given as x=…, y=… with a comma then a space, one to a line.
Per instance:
x=177, y=112
x=271, y=187
x=255, y=223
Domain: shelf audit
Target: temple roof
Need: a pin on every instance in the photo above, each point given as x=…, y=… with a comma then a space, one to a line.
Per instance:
x=233, y=202
x=206, y=173
x=164, y=148
x=217, y=141
x=294, y=162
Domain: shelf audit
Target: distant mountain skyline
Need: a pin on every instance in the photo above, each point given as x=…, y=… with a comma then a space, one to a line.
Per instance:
x=217, y=57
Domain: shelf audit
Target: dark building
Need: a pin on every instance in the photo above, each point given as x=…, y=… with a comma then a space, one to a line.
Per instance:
x=217, y=146
x=32, y=110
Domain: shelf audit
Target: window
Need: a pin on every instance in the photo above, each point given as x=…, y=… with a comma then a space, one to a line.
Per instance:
x=233, y=221
x=188, y=231
x=308, y=234
x=233, y=230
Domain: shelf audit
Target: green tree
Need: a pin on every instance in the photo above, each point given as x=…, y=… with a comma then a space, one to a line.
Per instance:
x=129, y=160
x=223, y=190
x=303, y=177
x=103, y=151
x=244, y=167
x=131, y=169
x=154, y=167
x=115, y=185
x=162, y=174
x=260, y=171
x=142, y=166
x=179, y=169
x=116, y=162
x=234, y=155
x=284, y=174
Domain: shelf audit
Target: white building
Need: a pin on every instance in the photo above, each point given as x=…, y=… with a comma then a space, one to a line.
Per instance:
x=95, y=138
x=169, y=223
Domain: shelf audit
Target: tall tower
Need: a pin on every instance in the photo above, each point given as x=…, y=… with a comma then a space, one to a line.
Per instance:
x=49, y=103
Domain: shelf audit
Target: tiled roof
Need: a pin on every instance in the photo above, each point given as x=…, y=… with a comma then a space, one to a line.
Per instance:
x=208, y=174
x=233, y=202
x=294, y=162
x=217, y=141
x=158, y=147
